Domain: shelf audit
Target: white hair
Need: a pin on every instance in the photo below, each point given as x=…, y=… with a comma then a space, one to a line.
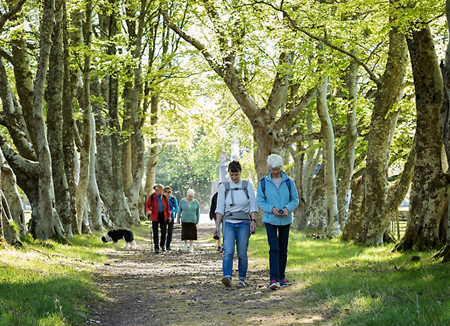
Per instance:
x=274, y=161
x=190, y=192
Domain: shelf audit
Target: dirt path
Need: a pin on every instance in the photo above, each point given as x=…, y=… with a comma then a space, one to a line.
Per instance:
x=181, y=288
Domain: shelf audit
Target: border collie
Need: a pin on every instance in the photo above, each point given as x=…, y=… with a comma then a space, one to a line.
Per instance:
x=116, y=235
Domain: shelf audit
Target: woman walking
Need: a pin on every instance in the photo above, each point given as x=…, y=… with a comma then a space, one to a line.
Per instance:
x=189, y=214
x=157, y=207
x=277, y=196
x=236, y=205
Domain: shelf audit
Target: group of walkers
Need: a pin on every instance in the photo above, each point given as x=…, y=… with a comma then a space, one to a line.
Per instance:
x=234, y=209
x=163, y=208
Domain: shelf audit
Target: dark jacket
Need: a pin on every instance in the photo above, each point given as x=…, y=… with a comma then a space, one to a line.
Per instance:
x=212, y=210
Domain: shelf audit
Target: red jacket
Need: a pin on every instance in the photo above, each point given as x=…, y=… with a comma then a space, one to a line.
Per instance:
x=152, y=207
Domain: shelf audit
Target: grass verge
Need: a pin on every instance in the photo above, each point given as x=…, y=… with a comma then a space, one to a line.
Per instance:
x=357, y=285
x=47, y=283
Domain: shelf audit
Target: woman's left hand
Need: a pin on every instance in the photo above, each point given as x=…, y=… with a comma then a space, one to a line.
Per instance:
x=252, y=227
x=285, y=211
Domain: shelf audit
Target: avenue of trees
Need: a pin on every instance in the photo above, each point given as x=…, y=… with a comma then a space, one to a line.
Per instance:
x=100, y=100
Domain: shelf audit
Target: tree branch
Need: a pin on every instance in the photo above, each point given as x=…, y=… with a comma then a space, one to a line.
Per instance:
x=4, y=18
x=197, y=44
x=294, y=25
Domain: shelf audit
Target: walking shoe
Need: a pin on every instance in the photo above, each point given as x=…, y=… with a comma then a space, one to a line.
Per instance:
x=156, y=251
x=283, y=283
x=242, y=284
x=163, y=249
x=219, y=248
x=185, y=246
x=168, y=248
x=226, y=281
x=274, y=285
x=191, y=249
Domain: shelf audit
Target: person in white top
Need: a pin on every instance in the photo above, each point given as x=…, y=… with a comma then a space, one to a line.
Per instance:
x=236, y=206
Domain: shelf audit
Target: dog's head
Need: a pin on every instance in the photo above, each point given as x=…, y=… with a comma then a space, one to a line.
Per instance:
x=106, y=238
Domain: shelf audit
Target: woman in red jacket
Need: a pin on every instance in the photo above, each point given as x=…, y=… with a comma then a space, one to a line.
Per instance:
x=157, y=207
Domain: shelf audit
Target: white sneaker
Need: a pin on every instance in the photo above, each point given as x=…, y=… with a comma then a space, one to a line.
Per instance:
x=191, y=249
x=185, y=247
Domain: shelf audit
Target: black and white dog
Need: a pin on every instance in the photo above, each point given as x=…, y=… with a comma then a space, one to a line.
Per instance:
x=116, y=235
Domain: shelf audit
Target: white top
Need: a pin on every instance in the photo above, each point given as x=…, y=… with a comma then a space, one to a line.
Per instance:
x=277, y=182
x=241, y=203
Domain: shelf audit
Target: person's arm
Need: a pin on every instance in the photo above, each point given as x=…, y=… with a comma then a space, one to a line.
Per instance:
x=148, y=205
x=218, y=221
x=167, y=208
x=180, y=211
x=252, y=200
x=197, y=213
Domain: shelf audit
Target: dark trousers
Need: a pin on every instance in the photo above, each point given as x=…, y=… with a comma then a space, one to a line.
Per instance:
x=169, y=234
x=277, y=236
x=162, y=225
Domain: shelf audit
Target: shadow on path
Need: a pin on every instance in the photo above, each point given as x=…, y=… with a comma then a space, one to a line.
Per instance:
x=181, y=288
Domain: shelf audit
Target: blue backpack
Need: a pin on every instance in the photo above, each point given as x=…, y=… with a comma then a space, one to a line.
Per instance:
x=262, y=182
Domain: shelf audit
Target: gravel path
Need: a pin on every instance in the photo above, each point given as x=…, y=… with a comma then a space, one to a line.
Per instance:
x=182, y=288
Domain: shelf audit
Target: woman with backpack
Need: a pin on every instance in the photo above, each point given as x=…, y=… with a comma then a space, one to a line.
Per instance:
x=277, y=197
x=173, y=207
x=236, y=205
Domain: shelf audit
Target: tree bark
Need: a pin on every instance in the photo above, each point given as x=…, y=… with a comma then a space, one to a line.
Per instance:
x=332, y=213
x=429, y=187
x=378, y=141
x=354, y=227
x=318, y=213
x=55, y=118
x=351, y=136
x=47, y=223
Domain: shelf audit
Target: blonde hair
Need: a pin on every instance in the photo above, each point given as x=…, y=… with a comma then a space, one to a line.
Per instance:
x=158, y=186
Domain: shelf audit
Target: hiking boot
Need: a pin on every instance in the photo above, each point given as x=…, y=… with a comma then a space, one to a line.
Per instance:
x=242, y=284
x=156, y=251
x=226, y=281
x=283, y=283
x=274, y=285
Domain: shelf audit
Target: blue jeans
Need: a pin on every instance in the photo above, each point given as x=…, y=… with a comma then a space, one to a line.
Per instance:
x=277, y=236
x=235, y=234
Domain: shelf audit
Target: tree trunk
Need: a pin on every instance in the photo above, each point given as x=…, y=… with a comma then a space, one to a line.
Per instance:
x=332, y=214
x=378, y=141
x=301, y=218
x=68, y=132
x=445, y=129
x=318, y=213
x=351, y=136
x=355, y=224
x=150, y=179
x=47, y=223
x=14, y=205
x=429, y=187
x=55, y=119
x=93, y=196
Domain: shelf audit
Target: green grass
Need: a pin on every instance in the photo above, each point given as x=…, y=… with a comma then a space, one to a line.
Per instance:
x=356, y=285
x=48, y=283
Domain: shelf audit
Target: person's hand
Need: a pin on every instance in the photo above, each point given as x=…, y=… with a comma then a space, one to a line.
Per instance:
x=252, y=227
x=275, y=211
x=285, y=211
x=170, y=220
x=178, y=222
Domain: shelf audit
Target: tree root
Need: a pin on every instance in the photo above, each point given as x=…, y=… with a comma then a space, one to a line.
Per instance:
x=444, y=253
